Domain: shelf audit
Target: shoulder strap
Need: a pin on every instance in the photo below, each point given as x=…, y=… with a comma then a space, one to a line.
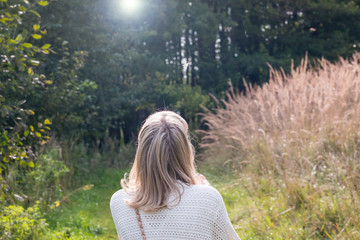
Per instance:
x=140, y=224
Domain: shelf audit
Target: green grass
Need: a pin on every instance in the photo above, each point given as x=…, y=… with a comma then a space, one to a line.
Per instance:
x=263, y=207
x=86, y=214
x=259, y=208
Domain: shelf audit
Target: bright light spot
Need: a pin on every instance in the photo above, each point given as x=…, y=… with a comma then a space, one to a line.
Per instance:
x=130, y=6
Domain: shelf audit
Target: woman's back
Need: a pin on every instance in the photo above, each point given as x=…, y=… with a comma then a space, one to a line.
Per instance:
x=200, y=214
x=164, y=185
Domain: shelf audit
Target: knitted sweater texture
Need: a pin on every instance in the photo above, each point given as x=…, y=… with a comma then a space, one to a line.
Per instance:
x=200, y=215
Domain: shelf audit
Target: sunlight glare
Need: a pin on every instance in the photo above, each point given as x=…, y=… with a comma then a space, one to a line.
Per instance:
x=130, y=6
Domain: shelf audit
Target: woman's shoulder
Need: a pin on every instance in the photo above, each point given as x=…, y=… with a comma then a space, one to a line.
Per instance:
x=119, y=197
x=205, y=188
x=205, y=191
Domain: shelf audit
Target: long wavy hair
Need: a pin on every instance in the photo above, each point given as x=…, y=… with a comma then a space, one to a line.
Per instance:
x=164, y=157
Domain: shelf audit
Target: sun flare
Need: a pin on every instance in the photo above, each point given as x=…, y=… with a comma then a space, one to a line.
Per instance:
x=130, y=6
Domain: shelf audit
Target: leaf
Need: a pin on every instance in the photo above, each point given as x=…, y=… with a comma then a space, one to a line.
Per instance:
x=4, y=19
x=31, y=112
x=6, y=138
x=18, y=197
x=31, y=128
x=34, y=62
x=57, y=203
x=38, y=134
x=45, y=51
x=47, y=122
x=36, y=27
x=18, y=38
x=35, y=13
x=36, y=36
x=46, y=46
x=30, y=71
x=27, y=45
x=43, y=3
x=31, y=164
x=88, y=187
x=48, y=82
x=26, y=133
x=12, y=41
x=23, y=154
x=21, y=102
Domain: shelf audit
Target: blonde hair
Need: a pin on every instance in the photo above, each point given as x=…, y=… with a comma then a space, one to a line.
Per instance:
x=164, y=156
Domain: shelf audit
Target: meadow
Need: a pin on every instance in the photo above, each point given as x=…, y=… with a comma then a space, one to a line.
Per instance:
x=284, y=156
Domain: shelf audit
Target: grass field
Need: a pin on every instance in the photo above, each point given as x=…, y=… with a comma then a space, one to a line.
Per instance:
x=258, y=209
x=284, y=156
x=86, y=215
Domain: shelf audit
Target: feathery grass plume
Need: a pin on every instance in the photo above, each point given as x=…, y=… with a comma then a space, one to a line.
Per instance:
x=300, y=133
x=291, y=120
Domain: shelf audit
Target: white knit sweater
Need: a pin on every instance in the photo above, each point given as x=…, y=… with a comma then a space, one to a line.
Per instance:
x=200, y=215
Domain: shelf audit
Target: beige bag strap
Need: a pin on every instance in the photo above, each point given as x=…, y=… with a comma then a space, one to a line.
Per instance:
x=140, y=224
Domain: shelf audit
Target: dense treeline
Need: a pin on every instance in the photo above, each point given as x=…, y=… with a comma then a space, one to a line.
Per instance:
x=95, y=71
x=173, y=53
x=109, y=68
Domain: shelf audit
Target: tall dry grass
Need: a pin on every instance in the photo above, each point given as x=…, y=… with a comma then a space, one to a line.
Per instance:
x=300, y=123
x=300, y=135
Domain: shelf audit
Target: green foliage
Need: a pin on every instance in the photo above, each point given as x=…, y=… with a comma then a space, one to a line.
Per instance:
x=278, y=31
x=82, y=160
x=18, y=62
x=87, y=214
x=68, y=97
x=32, y=90
x=265, y=207
x=19, y=223
x=186, y=100
x=137, y=60
x=45, y=181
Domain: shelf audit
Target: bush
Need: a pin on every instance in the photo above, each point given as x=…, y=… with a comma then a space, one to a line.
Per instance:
x=28, y=194
x=45, y=181
x=19, y=223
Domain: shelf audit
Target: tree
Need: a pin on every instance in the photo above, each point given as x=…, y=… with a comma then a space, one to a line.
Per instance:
x=20, y=131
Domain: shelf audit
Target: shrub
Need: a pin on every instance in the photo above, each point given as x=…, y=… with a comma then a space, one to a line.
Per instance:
x=19, y=223
x=44, y=182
